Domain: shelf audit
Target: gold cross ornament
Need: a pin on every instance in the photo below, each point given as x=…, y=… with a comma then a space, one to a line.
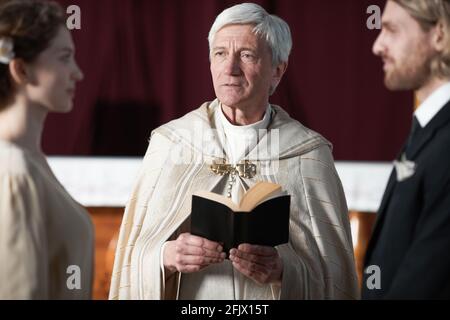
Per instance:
x=245, y=169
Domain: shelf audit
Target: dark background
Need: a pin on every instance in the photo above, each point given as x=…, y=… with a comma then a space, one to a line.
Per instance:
x=146, y=62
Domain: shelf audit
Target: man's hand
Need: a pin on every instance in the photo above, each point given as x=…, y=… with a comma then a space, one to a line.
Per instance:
x=190, y=254
x=259, y=263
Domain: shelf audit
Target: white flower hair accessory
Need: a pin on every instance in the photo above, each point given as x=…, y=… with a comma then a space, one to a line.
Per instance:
x=6, y=50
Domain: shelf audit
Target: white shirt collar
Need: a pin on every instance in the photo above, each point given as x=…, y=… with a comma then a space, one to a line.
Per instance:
x=229, y=127
x=239, y=140
x=433, y=104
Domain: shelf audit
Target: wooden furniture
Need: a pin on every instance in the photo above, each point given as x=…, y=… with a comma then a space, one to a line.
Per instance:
x=107, y=223
x=361, y=224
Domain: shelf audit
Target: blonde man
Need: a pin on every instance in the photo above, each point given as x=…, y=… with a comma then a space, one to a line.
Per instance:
x=411, y=240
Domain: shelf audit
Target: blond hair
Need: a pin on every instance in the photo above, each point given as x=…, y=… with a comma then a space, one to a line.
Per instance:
x=430, y=13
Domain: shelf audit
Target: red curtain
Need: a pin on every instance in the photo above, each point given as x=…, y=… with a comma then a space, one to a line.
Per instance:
x=146, y=63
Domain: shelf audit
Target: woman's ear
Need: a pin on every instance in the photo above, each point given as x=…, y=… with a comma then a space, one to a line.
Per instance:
x=18, y=71
x=438, y=37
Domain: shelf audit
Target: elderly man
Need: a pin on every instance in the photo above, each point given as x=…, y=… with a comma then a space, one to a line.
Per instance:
x=158, y=258
x=411, y=240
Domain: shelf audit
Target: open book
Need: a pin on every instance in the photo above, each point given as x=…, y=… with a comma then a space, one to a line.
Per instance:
x=261, y=218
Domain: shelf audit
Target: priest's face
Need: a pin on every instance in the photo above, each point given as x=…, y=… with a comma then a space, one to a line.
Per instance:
x=406, y=49
x=241, y=68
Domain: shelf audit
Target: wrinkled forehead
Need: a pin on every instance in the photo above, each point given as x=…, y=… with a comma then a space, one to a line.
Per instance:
x=242, y=34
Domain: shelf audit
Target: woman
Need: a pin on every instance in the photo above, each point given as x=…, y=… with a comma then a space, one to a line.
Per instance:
x=46, y=238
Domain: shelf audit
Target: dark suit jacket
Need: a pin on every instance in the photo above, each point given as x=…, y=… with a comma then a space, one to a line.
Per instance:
x=411, y=239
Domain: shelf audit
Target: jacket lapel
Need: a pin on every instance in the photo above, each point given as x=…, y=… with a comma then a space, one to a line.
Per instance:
x=429, y=131
x=441, y=118
x=418, y=145
x=390, y=186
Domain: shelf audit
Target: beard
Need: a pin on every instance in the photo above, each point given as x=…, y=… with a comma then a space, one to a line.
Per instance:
x=412, y=73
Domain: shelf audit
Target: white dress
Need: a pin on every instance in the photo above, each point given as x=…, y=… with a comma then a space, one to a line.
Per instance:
x=46, y=238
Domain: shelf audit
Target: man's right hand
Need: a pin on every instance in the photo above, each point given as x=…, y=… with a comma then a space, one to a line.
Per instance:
x=191, y=253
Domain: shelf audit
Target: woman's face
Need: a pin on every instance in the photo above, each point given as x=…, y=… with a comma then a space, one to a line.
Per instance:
x=54, y=74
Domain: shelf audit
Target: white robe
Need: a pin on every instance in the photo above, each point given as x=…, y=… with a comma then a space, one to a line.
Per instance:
x=238, y=141
x=318, y=260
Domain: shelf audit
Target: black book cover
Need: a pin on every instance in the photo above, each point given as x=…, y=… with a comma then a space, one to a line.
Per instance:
x=267, y=224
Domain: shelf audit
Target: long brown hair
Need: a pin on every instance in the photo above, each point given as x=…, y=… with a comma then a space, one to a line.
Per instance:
x=31, y=25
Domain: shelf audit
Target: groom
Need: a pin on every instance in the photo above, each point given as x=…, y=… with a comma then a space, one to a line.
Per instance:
x=411, y=240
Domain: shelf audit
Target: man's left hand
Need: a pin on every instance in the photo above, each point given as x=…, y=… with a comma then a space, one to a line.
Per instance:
x=259, y=263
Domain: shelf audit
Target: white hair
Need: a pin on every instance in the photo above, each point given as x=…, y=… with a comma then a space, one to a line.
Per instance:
x=269, y=27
